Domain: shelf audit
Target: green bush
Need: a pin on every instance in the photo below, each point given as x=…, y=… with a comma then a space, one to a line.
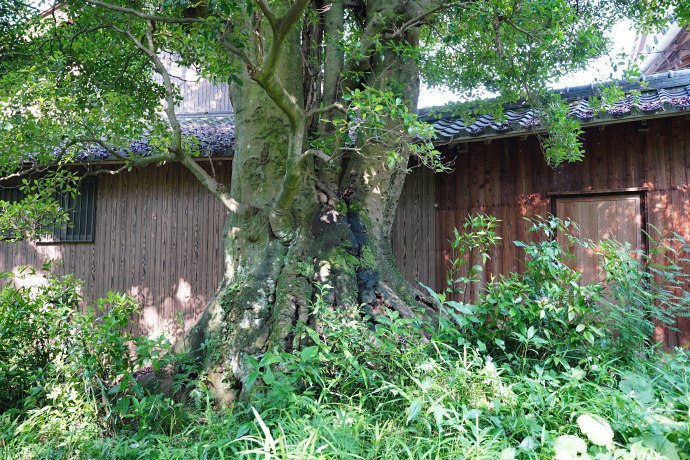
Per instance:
x=643, y=289
x=64, y=364
x=544, y=313
x=547, y=312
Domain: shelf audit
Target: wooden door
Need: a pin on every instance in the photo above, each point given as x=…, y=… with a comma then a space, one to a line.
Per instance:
x=616, y=217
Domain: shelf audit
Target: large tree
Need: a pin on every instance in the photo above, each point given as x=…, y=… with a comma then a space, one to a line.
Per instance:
x=325, y=96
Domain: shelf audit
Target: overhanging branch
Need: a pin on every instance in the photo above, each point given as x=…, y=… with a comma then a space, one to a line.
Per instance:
x=327, y=108
x=148, y=17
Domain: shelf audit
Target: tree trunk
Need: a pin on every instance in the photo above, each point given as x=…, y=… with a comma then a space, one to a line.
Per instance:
x=342, y=215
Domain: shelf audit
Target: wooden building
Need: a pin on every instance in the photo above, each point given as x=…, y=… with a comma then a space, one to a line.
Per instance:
x=635, y=172
x=667, y=49
x=157, y=232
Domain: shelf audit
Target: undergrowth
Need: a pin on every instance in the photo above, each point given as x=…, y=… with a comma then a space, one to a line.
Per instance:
x=536, y=368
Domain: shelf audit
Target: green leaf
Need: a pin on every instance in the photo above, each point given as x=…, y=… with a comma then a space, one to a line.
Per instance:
x=251, y=378
x=637, y=387
x=267, y=433
x=596, y=429
x=462, y=308
x=268, y=376
x=269, y=358
x=309, y=352
x=414, y=410
x=440, y=413
x=312, y=334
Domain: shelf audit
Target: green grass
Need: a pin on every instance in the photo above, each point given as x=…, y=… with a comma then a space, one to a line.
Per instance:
x=428, y=402
x=532, y=371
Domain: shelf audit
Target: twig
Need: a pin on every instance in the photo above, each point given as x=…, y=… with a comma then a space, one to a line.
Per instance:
x=148, y=17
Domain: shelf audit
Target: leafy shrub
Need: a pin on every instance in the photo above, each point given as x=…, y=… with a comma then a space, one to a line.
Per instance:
x=544, y=313
x=547, y=312
x=63, y=364
x=643, y=289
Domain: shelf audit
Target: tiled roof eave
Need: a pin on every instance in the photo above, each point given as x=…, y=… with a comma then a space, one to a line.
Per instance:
x=585, y=123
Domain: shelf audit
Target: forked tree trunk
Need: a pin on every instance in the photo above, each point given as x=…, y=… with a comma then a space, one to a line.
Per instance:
x=342, y=212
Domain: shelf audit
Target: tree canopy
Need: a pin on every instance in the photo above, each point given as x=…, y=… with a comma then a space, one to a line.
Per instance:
x=81, y=72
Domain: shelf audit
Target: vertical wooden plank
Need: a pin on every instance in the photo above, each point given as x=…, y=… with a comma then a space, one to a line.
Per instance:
x=157, y=271
x=167, y=275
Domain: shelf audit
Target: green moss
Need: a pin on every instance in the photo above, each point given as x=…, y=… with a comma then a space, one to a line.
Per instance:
x=366, y=260
x=341, y=260
x=229, y=295
x=341, y=207
x=393, y=264
x=306, y=269
x=355, y=207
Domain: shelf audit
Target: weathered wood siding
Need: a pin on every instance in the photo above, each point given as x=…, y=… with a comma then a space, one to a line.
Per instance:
x=158, y=232
x=158, y=238
x=412, y=235
x=198, y=95
x=509, y=179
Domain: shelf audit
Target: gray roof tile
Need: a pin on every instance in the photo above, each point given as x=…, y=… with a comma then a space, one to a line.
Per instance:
x=214, y=135
x=660, y=95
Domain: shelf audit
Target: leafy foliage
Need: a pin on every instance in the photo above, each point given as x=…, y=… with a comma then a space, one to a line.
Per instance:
x=644, y=288
x=65, y=366
x=89, y=73
x=401, y=390
x=543, y=313
x=548, y=312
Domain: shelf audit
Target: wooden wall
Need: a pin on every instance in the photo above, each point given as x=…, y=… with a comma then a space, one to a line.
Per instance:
x=158, y=233
x=414, y=245
x=509, y=179
x=158, y=238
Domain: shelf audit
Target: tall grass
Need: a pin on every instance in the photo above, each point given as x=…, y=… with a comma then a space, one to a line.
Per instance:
x=395, y=388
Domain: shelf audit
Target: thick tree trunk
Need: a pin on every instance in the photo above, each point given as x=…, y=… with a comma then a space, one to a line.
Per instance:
x=268, y=287
x=342, y=213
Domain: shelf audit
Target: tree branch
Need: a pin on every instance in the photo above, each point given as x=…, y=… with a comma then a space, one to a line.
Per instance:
x=216, y=188
x=150, y=51
x=148, y=17
x=35, y=168
x=110, y=172
x=518, y=28
x=421, y=18
x=320, y=154
x=237, y=52
x=137, y=162
x=327, y=108
x=281, y=28
x=268, y=12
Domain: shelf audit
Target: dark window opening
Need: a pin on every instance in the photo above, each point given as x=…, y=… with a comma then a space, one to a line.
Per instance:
x=10, y=195
x=81, y=211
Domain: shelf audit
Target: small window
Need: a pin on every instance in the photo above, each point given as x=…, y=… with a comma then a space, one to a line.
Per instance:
x=9, y=195
x=82, y=213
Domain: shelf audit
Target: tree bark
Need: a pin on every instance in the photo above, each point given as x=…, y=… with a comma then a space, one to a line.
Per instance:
x=341, y=214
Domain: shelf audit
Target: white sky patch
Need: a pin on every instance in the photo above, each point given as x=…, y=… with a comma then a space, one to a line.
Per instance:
x=598, y=70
